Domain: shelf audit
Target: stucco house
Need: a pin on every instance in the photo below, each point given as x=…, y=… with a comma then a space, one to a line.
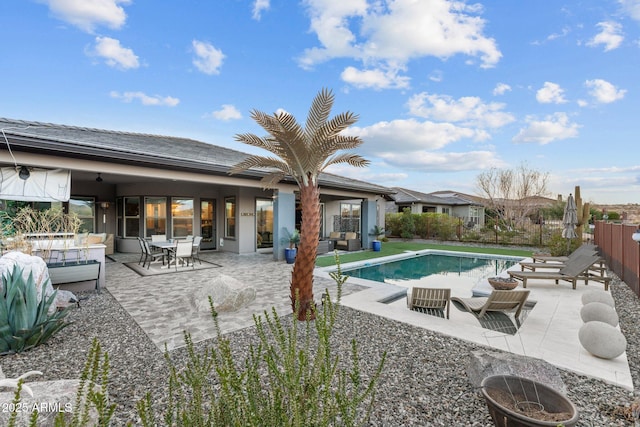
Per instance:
x=454, y=204
x=132, y=184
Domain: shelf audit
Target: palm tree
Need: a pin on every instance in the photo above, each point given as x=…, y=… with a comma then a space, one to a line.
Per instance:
x=303, y=153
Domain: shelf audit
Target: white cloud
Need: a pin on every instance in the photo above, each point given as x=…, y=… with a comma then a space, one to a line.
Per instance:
x=552, y=128
x=208, y=58
x=167, y=101
x=88, y=14
x=501, y=89
x=227, y=112
x=370, y=174
x=114, y=54
x=468, y=110
x=432, y=161
x=631, y=7
x=258, y=7
x=389, y=35
x=550, y=93
x=610, y=36
x=376, y=79
x=603, y=91
x=410, y=135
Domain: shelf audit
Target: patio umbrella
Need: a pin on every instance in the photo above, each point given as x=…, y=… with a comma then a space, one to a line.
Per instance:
x=570, y=220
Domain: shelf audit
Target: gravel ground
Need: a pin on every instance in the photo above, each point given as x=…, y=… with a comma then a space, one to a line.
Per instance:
x=424, y=382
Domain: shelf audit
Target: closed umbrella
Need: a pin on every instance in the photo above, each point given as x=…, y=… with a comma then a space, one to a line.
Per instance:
x=570, y=220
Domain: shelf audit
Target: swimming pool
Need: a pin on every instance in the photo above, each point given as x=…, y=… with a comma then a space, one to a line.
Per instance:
x=411, y=269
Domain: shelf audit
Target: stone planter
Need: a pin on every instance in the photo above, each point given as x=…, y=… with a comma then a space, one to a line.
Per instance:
x=72, y=272
x=520, y=402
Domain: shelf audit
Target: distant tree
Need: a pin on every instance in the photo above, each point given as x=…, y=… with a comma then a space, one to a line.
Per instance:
x=513, y=194
x=303, y=153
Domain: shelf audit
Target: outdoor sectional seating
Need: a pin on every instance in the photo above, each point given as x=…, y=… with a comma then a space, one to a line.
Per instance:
x=348, y=241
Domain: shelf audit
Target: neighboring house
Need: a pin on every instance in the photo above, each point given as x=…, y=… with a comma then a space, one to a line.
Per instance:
x=132, y=184
x=454, y=204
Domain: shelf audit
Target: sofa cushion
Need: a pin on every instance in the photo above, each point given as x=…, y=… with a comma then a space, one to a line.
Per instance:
x=350, y=236
x=335, y=235
x=95, y=238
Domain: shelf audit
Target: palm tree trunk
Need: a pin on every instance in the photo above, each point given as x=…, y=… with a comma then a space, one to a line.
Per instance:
x=302, y=276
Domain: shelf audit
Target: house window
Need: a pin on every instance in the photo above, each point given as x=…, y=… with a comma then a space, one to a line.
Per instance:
x=181, y=217
x=350, y=217
x=446, y=211
x=474, y=214
x=85, y=209
x=230, y=217
x=131, y=207
x=155, y=215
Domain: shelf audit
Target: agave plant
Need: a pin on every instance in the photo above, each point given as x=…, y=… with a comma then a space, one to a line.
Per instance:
x=24, y=322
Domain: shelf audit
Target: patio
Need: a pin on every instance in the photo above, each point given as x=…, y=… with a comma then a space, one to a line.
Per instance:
x=163, y=307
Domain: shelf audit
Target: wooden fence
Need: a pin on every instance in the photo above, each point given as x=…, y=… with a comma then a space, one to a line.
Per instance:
x=620, y=251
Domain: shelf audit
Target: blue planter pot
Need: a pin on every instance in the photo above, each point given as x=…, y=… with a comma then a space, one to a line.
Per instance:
x=376, y=245
x=290, y=255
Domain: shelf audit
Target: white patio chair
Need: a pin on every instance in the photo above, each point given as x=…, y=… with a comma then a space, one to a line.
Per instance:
x=184, y=253
x=196, y=248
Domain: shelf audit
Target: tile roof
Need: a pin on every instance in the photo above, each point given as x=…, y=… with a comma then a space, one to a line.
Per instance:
x=404, y=195
x=148, y=149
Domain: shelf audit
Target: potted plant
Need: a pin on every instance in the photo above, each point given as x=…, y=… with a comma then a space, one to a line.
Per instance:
x=378, y=233
x=291, y=252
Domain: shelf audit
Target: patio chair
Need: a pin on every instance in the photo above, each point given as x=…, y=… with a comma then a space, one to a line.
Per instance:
x=349, y=243
x=148, y=254
x=143, y=252
x=577, y=269
x=430, y=300
x=196, y=248
x=585, y=248
x=158, y=237
x=184, y=253
x=598, y=266
x=502, y=301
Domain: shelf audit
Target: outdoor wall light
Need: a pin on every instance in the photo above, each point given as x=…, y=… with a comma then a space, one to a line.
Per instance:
x=636, y=236
x=104, y=205
x=99, y=178
x=24, y=173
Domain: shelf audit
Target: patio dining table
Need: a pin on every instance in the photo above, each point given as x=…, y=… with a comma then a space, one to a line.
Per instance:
x=168, y=246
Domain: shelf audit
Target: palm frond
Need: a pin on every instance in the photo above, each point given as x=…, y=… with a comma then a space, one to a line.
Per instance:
x=270, y=180
x=319, y=112
x=254, y=140
x=260, y=162
x=349, y=158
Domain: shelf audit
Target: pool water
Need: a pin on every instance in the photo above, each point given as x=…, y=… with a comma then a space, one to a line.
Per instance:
x=403, y=272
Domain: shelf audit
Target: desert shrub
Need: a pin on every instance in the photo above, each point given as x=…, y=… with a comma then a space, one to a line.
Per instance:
x=444, y=226
x=393, y=223
x=559, y=246
x=407, y=227
x=25, y=322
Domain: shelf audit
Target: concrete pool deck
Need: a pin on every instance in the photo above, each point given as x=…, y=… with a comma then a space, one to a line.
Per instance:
x=549, y=332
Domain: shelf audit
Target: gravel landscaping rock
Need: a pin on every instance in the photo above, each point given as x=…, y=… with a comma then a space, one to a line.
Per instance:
x=424, y=380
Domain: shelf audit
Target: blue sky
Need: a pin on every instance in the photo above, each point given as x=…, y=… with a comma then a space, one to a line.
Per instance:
x=445, y=90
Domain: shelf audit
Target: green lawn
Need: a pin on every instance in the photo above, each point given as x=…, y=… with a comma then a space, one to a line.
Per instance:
x=394, y=248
